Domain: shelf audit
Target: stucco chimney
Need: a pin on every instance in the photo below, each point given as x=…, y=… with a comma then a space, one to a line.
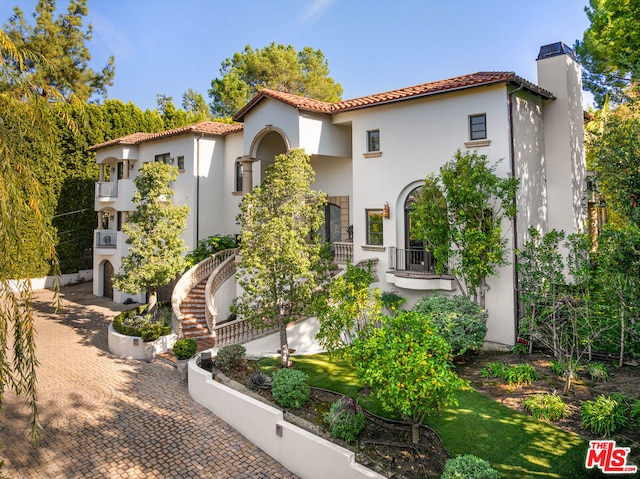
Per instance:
x=560, y=72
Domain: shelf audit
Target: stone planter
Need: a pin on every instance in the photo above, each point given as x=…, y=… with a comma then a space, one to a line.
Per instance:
x=183, y=369
x=149, y=351
x=132, y=347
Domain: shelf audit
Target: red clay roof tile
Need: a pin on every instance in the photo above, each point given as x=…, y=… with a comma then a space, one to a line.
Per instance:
x=206, y=127
x=441, y=86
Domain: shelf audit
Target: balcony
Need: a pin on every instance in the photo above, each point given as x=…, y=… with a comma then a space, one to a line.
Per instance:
x=342, y=252
x=416, y=269
x=115, y=194
x=106, y=189
x=106, y=239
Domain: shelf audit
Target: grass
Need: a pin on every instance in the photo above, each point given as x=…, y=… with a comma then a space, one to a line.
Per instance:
x=517, y=445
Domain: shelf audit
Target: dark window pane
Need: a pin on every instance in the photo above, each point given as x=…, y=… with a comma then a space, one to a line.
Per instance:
x=373, y=140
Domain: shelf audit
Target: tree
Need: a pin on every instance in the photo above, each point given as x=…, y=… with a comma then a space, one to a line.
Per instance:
x=63, y=43
x=277, y=67
x=281, y=263
x=346, y=308
x=610, y=49
x=196, y=106
x=560, y=312
x=155, y=251
x=459, y=215
x=24, y=112
x=614, y=154
x=408, y=367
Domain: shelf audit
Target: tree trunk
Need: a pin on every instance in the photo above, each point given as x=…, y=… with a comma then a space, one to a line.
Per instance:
x=622, y=331
x=285, y=355
x=153, y=301
x=567, y=381
x=415, y=433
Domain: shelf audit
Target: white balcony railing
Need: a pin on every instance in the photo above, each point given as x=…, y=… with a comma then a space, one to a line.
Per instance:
x=107, y=189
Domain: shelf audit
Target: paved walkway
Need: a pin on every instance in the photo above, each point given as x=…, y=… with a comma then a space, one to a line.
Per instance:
x=105, y=417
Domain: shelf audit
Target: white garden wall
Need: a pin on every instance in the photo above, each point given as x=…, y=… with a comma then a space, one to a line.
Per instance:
x=303, y=453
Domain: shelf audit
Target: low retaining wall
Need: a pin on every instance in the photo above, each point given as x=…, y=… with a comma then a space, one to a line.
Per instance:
x=132, y=347
x=47, y=282
x=303, y=453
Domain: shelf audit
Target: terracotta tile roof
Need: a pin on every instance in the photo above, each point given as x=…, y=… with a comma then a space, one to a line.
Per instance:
x=442, y=86
x=206, y=127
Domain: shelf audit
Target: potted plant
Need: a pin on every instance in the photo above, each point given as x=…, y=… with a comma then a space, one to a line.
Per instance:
x=149, y=334
x=184, y=349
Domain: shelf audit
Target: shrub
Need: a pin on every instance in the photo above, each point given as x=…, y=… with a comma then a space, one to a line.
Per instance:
x=598, y=372
x=514, y=375
x=185, y=348
x=259, y=380
x=522, y=374
x=468, y=466
x=605, y=414
x=290, y=388
x=495, y=369
x=549, y=407
x=558, y=369
x=208, y=246
x=459, y=320
x=345, y=419
x=520, y=349
x=230, y=357
x=392, y=301
x=635, y=410
x=134, y=323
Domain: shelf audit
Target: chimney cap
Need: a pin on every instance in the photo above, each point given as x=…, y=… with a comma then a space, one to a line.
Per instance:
x=555, y=49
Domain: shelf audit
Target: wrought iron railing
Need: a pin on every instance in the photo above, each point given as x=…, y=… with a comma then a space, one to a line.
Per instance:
x=411, y=260
x=106, y=239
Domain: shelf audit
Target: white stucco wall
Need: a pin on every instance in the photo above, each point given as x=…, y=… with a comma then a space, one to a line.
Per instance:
x=319, y=136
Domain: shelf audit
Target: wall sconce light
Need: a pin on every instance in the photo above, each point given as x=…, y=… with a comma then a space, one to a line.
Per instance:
x=172, y=160
x=130, y=166
x=386, y=213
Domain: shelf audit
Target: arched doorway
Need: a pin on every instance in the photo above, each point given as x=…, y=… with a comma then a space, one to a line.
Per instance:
x=331, y=229
x=416, y=257
x=107, y=277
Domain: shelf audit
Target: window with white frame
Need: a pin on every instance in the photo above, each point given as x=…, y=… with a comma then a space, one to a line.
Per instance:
x=374, y=227
x=181, y=163
x=478, y=127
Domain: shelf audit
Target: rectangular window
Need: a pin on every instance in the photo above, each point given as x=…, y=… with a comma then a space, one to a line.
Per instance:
x=373, y=140
x=181, y=163
x=478, y=127
x=238, y=176
x=163, y=158
x=374, y=227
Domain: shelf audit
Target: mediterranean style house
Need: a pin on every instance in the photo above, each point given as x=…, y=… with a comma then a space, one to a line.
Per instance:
x=371, y=155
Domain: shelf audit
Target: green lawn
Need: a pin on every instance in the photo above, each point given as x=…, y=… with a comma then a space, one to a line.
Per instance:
x=517, y=445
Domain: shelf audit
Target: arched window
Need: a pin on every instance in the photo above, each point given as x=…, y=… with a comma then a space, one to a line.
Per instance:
x=331, y=230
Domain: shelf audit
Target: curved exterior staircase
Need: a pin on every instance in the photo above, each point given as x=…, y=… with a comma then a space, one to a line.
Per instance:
x=194, y=310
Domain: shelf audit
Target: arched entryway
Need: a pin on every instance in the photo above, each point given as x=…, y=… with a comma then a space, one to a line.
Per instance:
x=107, y=279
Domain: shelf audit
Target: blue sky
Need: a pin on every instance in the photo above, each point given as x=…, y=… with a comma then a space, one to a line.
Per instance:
x=169, y=46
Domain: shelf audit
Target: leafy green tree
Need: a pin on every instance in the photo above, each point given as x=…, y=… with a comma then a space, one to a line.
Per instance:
x=610, y=49
x=196, y=106
x=614, y=154
x=281, y=263
x=408, y=367
x=153, y=234
x=62, y=41
x=277, y=67
x=560, y=313
x=26, y=121
x=459, y=215
x=346, y=308
x=618, y=261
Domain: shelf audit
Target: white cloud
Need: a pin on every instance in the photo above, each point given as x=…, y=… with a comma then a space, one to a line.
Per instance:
x=316, y=10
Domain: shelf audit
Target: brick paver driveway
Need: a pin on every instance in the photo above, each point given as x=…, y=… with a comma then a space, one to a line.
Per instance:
x=105, y=417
